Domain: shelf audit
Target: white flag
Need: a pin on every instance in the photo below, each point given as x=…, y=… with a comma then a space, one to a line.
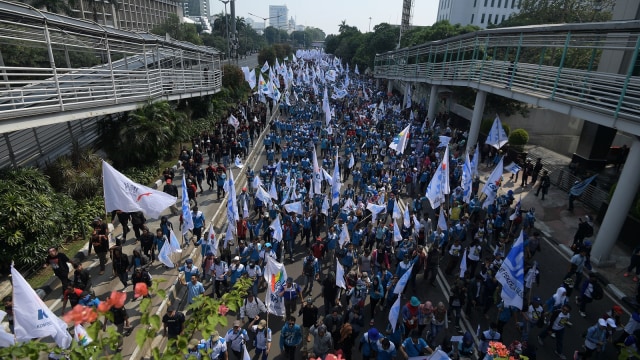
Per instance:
x=165, y=255
x=328, y=178
x=325, y=207
x=173, y=240
x=317, y=176
x=375, y=210
x=467, y=179
x=335, y=183
x=394, y=313
x=245, y=210
x=340, y=276
x=6, y=339
x=232, y=201
x=352, y=161
x=442, y=221
x=349, y=205
x=275, y=274
x=256, y=182
x=246, y=355
x=497, y=137
x=273, y=190
x=295, y=207
x=439, y=185
x=492, y=185
x=400, y=141
x=403, y=281
x=265, y=67
x=397, y=236
x=249, y=76
x=344, y=235
x=416, y=224
x=397, y=212
x=238, y=162
x=80, y=335
x=213, y=238
x=120, y=193
x=263, y=195
x=31, y=316
x=187, y=218
x=463, y=264
x=407, y=218
x=233, y=121
x=277, y=228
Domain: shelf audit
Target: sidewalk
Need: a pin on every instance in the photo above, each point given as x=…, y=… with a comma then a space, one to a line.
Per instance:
x=558, y=225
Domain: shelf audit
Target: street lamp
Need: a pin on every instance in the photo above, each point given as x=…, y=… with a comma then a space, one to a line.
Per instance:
x=267, y=18
x=369, y=23
x=226, y=19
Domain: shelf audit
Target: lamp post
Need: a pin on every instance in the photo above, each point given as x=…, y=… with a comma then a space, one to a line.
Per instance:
x=265, y=21
x=226, y=19
x=369, y=23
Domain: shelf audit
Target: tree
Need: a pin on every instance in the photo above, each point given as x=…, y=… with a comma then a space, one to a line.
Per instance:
x=534, y=12
x=178, y=31
x=438, y=31
x=267, y=54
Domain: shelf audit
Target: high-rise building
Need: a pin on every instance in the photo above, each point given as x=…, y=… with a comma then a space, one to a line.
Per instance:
x=279, y=16
x=133, y=15
x=195, y=8
x=480, y=13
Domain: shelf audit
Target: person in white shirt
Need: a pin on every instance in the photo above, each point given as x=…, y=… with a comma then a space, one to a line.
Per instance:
x=262, y=341
x=252, y=307
x=531, y=316
x=559, y=320
x=220, y=271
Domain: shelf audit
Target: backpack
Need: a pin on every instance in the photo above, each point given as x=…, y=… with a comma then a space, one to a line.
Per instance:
x=598, y=292
x=588, y=231
x=308, y=266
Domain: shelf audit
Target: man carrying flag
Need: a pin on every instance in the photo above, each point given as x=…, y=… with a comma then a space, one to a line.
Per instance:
x=511, y=275
x=577, y=189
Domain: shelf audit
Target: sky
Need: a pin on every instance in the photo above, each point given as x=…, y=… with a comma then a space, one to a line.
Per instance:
x=328, y=14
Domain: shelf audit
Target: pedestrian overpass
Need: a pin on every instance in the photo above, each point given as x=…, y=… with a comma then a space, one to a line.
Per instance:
x=55, y=69
x=590, y=71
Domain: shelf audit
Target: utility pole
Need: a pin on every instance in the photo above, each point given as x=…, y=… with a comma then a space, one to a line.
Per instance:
x=369, y=23
x=234, y=32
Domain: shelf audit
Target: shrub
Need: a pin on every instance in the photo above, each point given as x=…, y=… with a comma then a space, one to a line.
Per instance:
x=519, y=137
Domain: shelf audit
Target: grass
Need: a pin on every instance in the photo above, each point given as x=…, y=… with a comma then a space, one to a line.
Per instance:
x=42, y=276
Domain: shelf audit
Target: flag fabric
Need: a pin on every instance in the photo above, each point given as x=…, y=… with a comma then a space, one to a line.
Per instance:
x=187, y=218
x=408, y=95
x=400, y=141
x=397, y=236
x=397, y=212
x=325, y=207
x=277, y=228
x=233, y=121
x=249, y=76
x=275, y=274
x=228, y=235
x=375, y=210
x=467, y=179
x=120, y=193
x=516, y=210
x=214, y=239
x=32, y=318
x=326, y=176
x=263, y=195
x=295, y=207
x=463, y=264
x=394, y=313
x=404, y=279
x=246, y=355
x=245, y=210
x=475, y=161
x=238, y=162
x=265, y=67
x=352, y=161
x=512, y=168
x=407, y=218
x=232, y=201
x=492, y=185
x=356, y=70
x=173, y=240
x=273, y=191
x=530, y=277
x=6, y=339
x=344, y=235
x=444, y=140
x=511, y=275
x=442, y=220
x=263, y=87
x=165, y=255
x=340, y=276
x=439, y=185
x=416, y=224
x=579, y=188
x=497, y=137
x=317, y=176
x=326, y=108
x=80, y=335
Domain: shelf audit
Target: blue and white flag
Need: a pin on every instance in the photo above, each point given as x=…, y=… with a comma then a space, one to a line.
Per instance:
x=187, y=219
x=444, y=141
x=325, y=206
x=406, y=221
x=173, y=241
x=352, y=161
x=493, y=184
x=512, y=168
x=394, y=314
x=579, y=188
x=402, y=283
x=340, y=282
x=375, y=210
x=397, y=236
x=439, y=185
x=238, y=162
x=265, y=67
x=516, y=211
x=232, y=202
x=397, y=212
x=475, y=161
x=467, y=179
x=317, y=175
x=497, y=137
x=442, y=220
x=335, y=184
x=511, y=275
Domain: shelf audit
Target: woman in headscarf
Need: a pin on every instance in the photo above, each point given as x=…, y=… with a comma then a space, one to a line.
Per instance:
x=347, y=340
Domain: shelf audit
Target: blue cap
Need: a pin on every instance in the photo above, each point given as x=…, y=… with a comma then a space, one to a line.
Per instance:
x=373, y=334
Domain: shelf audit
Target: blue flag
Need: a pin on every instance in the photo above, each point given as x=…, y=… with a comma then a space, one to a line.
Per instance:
x=467, y=179
x=186, y=210
x=511, y=275
x=579, y=188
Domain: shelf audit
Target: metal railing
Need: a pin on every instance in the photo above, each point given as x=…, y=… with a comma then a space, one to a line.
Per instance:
x=586, y=70
x=51, y=64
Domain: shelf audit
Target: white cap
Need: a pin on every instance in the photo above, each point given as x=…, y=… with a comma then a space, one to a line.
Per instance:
x=612, y=323
x=237, y=258
x=602, y=322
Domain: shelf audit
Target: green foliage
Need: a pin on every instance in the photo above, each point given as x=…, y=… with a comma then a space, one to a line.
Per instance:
x=233, y=80
x=267, y=54
x=275, y=36
x=559, y=12
x=177, y=30
x=77, y=174
x=438, y=31
x=519, y=137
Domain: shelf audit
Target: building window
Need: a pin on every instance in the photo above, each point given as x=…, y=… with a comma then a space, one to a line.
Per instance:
x=493, y=2
x=513, y=3
x=489, y=19
x=485, y=3
x=503, y=16
x=499, y=3
x=519, y=4
x=482, y=19
x=506, y=3
x=475, y=2
x=472, y=18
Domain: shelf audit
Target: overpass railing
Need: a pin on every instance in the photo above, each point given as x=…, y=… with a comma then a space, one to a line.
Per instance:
x=592, y=67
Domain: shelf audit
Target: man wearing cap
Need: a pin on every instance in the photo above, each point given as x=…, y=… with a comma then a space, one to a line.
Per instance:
x=309, y=314
x=236, y=339
x=368, y=343
x=189, y=269
x=290, y=338
x=235, y=270
x=173, y=322
x=262, y=341
x=290, y=292
x=252, y=307
x=217, y=347
x=594, y=341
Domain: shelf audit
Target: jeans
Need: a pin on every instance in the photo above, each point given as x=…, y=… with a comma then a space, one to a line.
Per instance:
x=308, y=282
x=103, y=259
x=124, y=278
x=559, y=337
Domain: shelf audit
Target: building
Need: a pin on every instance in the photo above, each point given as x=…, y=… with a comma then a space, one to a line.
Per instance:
x=193, y=8
x=132, y=15
x=279, y=16
x=481, y=13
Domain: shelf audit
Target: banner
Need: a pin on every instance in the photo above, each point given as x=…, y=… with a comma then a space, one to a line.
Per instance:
x=275, y=274
x=32, y=318
x=467, y=179
x=120, y=193
x=511, y=275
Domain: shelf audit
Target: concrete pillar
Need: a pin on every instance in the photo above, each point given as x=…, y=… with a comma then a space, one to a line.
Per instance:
x=621, y=202
x=476, y=119
x=389, y=86
x=433, y=104
x=593, y=147
x=377, y=84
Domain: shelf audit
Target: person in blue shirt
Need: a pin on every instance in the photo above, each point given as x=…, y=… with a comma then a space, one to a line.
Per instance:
x=290, y=338
x=414, y=345
x=189, y=269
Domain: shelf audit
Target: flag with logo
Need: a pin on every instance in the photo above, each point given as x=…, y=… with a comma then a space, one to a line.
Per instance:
x=249, y=76
x=214, y=239
x=340, y=276
x=497, y=136
x=228, y=235
x=120, y=193
x=173, y=240
x=467, y=179
x=275, y=274
x=344, y=235
x=233, y=121
x=579, y=188
x=265, y=67
x=335, y=183
x=187, y=218
x=512, y=168
x=439, y=185
x=232, y=201
x=80, y=335
x=511, y=275
x=375, y=210
x=400, y=141
x=492, y=185
x=32, y=318
x=263, y=86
